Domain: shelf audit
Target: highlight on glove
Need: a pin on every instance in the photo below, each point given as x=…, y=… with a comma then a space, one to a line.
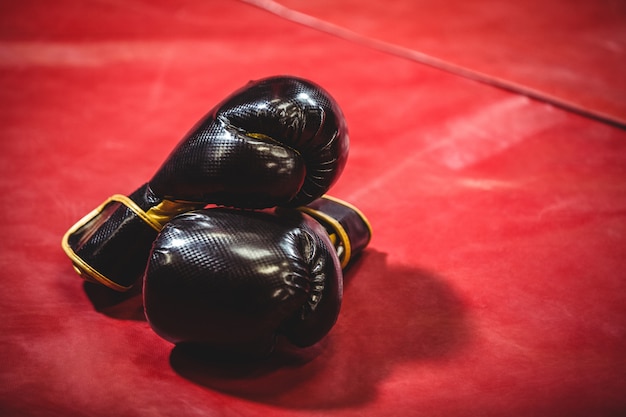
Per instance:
x=230, y=282
x=278, y=141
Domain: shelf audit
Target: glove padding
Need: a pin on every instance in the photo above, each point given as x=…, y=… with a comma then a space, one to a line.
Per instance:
x=280, y=141
x=231, y=281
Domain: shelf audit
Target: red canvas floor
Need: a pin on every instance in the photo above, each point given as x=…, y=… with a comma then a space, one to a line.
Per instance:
x=495, y=282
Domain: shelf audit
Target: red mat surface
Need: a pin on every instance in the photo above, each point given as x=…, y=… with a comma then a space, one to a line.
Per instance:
x=494, y=285
x=570, y=53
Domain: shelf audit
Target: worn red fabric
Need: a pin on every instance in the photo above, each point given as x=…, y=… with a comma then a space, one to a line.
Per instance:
x=495, y=282
x=571, y=53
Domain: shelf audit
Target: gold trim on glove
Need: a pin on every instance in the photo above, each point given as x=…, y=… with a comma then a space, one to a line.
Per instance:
x=156, y=217
x=356, y=210
x=339, y=238
x=86, y=271
x=166, y=210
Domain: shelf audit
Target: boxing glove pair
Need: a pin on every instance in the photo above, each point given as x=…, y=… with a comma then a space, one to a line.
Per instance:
x=279, y=141
x=228, y=279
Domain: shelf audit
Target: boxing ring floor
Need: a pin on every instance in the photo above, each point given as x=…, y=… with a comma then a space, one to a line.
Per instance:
x=488, y=151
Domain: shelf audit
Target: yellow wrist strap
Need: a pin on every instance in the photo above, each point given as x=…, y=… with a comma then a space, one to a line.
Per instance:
x=156, y=217
x=339, y=237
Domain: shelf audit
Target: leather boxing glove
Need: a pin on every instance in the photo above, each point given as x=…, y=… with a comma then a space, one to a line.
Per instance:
x=279, y=141
x=230, y=281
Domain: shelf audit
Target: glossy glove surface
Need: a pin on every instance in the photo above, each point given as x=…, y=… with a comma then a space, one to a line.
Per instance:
x=233, y=280
x=277, y=141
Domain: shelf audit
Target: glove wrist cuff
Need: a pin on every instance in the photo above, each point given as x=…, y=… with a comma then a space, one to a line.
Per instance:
x=347, y=226
x=95, y=233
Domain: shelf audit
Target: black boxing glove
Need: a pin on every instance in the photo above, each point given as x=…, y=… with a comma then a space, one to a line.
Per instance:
x=230, y=281
x=280, y=141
